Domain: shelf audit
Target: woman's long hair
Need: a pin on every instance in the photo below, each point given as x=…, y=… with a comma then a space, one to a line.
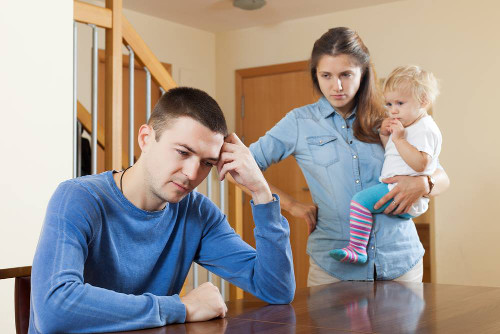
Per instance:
x=370, y=111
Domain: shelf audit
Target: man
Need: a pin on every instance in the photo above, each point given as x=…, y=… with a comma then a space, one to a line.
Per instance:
x=116, y=247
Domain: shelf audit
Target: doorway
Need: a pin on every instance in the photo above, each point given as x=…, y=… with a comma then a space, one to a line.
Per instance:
x=264, y=95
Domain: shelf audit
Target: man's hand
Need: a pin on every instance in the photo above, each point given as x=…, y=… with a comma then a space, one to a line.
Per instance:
x=407, y=191
x=309, y=212
x=204, y=303
x=236, y=159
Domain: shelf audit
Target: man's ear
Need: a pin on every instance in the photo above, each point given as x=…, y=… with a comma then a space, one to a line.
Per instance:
x=145, y=136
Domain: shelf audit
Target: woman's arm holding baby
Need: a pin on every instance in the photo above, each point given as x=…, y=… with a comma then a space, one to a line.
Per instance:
x=410, y=188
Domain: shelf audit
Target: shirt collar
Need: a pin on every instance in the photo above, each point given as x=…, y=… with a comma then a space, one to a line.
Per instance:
x=327, y=110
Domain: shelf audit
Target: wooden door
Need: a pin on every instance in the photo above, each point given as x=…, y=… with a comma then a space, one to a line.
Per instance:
x=139, y=104
x=264, y=96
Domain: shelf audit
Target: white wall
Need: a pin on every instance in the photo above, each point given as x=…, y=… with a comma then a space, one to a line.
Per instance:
x=35, y=89
x=458, y=41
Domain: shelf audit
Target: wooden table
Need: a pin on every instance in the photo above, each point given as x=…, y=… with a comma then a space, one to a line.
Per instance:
x=362, y=307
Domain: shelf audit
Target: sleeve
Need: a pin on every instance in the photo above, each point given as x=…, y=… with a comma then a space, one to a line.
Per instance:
x=278, y=143
x=61, y=301
x=428, y=140
x=266, y=271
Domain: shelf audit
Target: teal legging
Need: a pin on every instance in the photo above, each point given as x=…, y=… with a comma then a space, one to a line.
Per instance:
x=369, y=196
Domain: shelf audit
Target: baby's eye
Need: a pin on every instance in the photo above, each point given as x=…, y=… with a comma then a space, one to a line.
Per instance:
x=388, y=104
x=400, y=103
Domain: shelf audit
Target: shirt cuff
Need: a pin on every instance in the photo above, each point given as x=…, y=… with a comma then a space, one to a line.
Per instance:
x=172, y=310
x=266, y=212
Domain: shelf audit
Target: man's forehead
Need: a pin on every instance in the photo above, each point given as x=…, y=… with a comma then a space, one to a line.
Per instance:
x=195, y=137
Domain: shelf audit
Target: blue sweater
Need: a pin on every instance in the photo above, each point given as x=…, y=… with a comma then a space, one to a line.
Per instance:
x=104, y=265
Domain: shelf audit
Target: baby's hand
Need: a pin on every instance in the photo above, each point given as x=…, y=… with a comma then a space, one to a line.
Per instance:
x=397, y=129
x=385, y=128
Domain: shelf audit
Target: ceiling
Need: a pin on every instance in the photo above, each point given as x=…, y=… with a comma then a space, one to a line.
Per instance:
x=220, y=15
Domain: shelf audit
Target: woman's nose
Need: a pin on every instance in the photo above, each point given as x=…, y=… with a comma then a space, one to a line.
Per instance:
x=337, y=85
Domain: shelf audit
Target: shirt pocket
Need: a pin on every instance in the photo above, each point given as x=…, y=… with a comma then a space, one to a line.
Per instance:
x=323, y=149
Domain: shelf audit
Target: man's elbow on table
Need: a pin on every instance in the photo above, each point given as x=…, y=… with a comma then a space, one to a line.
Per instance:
x=281, y=295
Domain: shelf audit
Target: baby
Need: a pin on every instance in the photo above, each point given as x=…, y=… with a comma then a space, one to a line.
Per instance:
x=412, y=142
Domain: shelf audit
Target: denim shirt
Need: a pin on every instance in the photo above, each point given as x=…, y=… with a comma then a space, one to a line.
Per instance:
x=336, y=166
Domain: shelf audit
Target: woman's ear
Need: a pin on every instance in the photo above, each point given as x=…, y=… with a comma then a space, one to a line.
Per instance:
x=145, y=136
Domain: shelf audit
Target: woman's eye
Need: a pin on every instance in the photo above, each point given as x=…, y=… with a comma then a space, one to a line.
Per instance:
x=326, y=76
x=183, y=153
x=347, y=75
x=209, y=164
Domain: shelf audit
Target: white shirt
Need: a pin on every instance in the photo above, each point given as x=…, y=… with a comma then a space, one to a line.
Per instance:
x=425, y=136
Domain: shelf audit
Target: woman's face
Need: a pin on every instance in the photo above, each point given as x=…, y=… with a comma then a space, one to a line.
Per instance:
x=339, y=78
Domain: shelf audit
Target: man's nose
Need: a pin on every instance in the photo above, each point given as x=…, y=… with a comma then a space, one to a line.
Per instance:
x=190, y=169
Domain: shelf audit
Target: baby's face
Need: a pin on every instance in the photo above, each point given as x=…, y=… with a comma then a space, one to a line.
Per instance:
x=402, y=105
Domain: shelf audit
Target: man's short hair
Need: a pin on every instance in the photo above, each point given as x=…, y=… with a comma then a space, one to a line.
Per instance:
x=187, y=102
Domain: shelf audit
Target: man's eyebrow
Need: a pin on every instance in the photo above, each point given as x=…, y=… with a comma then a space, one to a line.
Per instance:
x=190, y=149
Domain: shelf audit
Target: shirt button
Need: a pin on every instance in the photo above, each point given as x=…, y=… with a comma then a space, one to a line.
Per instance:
x=355, y=156
x=357, y=181
x=343, y=126
x=373, y=247
x=321, y=142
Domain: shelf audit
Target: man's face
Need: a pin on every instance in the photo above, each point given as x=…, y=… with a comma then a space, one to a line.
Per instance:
x=181, y=159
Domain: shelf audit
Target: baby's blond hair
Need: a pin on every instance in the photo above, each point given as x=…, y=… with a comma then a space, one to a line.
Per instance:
x=422, y=84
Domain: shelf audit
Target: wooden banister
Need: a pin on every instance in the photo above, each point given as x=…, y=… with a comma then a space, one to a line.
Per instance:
x=113, y=89
x=235, y=215
x=87, y=13
x=15, y=272
x=103, y=17
x=85, y=118
x=146, y=57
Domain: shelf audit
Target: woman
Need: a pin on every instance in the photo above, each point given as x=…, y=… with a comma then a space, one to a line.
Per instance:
x=335, y=141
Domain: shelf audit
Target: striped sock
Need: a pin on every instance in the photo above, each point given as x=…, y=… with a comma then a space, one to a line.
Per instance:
x=360, y=222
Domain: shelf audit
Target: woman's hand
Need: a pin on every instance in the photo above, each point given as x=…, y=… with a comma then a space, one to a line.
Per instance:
x=407, y=191
x=309, y=212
